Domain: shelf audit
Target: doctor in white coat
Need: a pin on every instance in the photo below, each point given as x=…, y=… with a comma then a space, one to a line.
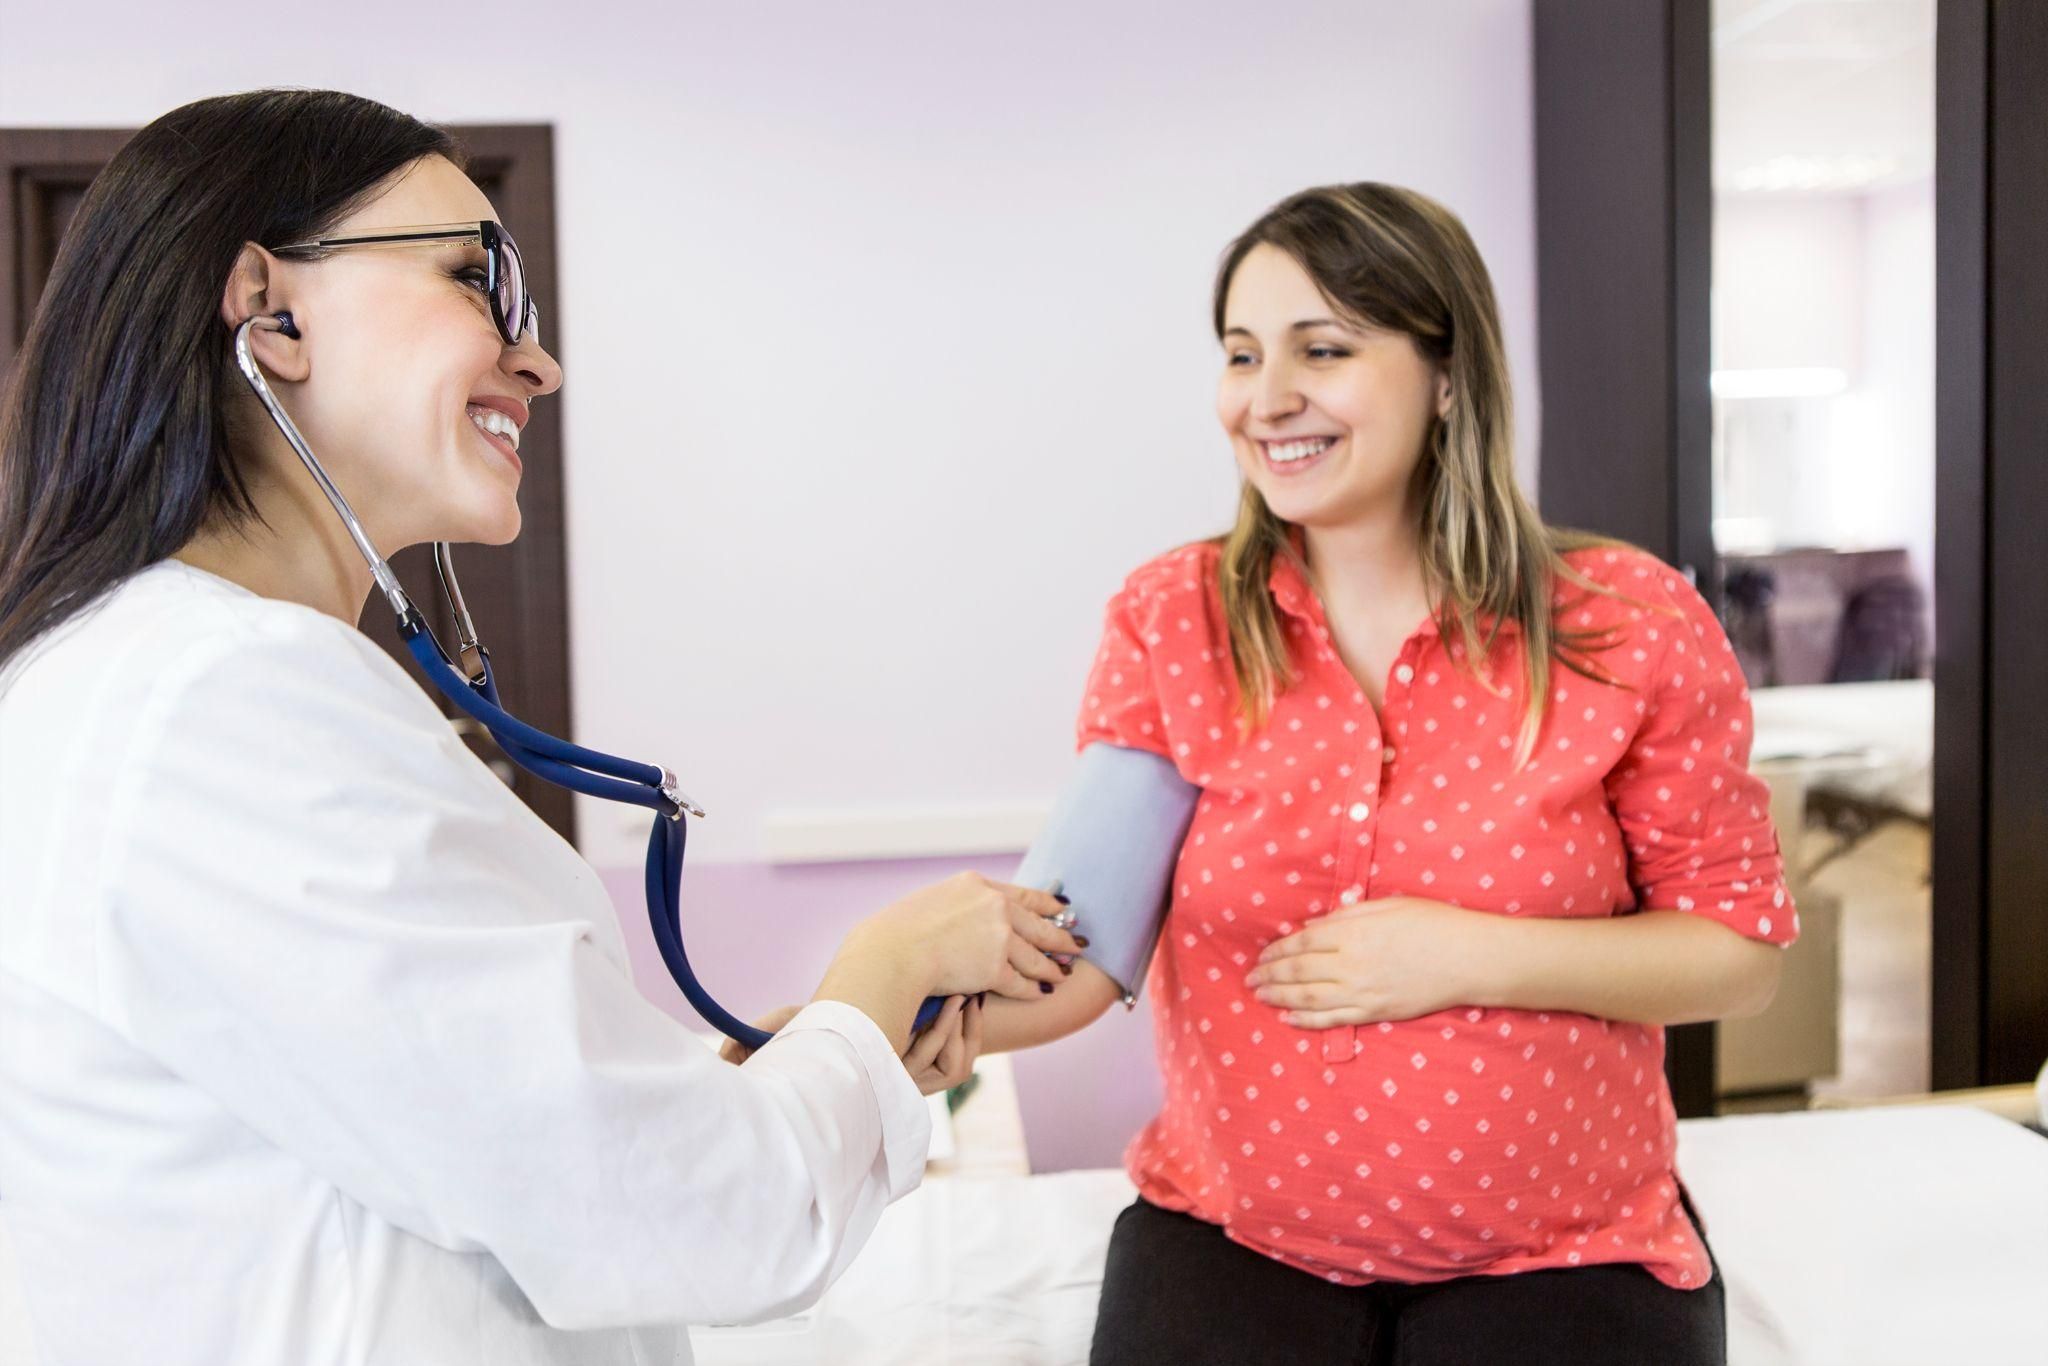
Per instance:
x=315, y=1045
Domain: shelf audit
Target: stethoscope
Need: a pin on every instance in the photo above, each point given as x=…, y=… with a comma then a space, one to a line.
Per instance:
x=474, y=689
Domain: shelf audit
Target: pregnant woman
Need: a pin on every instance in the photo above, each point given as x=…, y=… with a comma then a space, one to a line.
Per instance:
x=1476, y=823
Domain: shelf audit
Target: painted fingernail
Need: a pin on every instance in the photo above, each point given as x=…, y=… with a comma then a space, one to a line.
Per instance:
x=1062, y=898
x=1045, y=988
x=1067, y=968
x=1082, y=940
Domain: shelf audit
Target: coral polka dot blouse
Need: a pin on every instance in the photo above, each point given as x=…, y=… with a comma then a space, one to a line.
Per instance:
x=1471, y=1141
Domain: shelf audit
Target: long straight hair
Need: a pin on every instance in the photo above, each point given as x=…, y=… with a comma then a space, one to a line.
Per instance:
x=1395, y=259
x=114, y=434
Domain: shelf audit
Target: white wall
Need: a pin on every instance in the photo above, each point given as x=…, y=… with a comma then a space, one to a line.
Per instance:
x=1788, y=282
x=885, y=324
x=1841, y=281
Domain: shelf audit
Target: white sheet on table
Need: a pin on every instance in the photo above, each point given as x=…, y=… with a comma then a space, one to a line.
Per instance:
x=1873, y=1237
x=1859, y=1238
x=967, y=1272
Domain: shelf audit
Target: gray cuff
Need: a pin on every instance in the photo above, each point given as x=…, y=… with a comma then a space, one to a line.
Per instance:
x=1111, y=844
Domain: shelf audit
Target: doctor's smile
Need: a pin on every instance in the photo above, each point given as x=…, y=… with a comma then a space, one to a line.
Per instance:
x=500, y=420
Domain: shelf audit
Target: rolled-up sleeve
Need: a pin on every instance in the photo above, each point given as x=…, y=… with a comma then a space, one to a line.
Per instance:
x=1696, y=820
x=1121, y=703
x=354, y=938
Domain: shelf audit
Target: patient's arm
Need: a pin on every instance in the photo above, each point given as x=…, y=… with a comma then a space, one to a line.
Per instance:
x=1110, y=844
x=1074, y=1003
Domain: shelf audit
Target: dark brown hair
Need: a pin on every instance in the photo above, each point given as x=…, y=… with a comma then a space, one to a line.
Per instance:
x=114, y=443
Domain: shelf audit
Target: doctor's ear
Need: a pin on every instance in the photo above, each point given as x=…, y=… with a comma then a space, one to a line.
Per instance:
x=256, y=285
x=1443, y=395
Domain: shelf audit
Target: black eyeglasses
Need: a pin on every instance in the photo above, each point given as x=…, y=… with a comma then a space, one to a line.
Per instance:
x=512, y=308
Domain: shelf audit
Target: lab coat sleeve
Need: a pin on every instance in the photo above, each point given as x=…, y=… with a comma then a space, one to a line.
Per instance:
x=320, y=908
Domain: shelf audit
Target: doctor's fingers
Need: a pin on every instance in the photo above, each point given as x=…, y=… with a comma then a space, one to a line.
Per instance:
x=1043, y=904
x=956, y=1058
x=1015, y=986
x=926, y=1047
x=971, y=1016
x=1042, y=934
x=1026, y=958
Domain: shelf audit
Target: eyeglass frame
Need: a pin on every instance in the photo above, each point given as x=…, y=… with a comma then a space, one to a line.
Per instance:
x=485, y=232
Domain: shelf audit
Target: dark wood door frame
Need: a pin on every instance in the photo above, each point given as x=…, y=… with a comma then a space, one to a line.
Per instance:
x=47, y=170
x=1624, y=217
x=1624, y=213
x=518, y=593
x=1990, y=970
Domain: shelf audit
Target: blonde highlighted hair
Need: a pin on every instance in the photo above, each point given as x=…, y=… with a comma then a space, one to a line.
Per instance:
x=1395, y=259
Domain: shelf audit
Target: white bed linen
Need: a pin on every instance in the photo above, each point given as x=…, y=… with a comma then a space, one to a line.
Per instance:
x=1871, y=1237
x=1915, y=1237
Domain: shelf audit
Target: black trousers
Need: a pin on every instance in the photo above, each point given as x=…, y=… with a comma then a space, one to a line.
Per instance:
x=1177, y=1291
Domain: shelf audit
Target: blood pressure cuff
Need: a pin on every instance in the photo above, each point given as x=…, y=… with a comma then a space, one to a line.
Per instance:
x=1111, y=844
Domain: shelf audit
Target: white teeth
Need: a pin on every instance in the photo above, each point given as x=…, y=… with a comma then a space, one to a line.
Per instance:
x=497, y=423
x=1287, y=452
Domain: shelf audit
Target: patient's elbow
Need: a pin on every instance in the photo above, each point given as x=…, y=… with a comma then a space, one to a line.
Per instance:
x=1756, y=974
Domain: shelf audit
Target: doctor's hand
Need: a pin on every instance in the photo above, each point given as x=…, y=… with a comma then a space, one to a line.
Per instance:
x=1393, y=959
x=972, y=934
x=943, y=1056
x=961, y=937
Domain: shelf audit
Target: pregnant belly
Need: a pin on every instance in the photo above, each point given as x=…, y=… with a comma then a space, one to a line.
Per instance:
x=1440, y=1146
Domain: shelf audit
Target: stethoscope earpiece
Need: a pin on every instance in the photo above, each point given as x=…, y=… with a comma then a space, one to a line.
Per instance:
x=287, y=326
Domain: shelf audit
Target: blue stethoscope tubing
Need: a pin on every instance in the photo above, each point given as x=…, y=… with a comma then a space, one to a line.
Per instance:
x=474, y=689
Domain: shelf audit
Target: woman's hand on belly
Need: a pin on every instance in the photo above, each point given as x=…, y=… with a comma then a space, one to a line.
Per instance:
x=1394, y=959
x=1405, y=957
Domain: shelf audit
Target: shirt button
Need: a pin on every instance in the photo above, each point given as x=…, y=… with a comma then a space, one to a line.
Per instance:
x=1405, y=674
x=1350, y=895
x=1359, y=811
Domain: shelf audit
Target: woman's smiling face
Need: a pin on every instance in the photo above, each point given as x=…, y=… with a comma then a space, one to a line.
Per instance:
x=1327, y=415
x=406, y=390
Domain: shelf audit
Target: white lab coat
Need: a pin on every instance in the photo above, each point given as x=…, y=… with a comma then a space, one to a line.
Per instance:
x=317, y=1047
